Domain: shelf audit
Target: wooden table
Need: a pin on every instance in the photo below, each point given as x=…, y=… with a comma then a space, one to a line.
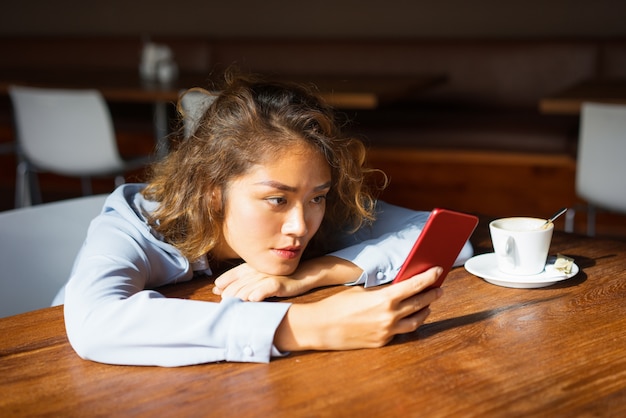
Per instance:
x=569, y=101
x=485, y=351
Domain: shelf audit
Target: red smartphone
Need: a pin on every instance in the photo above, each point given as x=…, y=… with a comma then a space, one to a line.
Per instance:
x=439, y=244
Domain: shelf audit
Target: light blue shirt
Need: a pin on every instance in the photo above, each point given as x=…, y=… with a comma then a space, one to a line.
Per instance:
x=114, y=315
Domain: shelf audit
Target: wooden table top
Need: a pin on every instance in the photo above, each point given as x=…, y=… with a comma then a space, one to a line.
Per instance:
x=569, y=101
x=485, y=351
x=346, y=92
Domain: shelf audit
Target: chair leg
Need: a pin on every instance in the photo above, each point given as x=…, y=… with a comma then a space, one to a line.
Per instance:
x=569, y=220
x=591, y=220
x=35, y=191
x=22, y=186
x=27, y=191
x=160, y=121
x=85, y=183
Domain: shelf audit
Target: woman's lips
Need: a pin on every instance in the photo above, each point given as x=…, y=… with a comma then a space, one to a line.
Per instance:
x=288, y=252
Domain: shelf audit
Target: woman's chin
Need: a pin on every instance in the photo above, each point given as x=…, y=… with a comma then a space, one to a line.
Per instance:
x=283, y=269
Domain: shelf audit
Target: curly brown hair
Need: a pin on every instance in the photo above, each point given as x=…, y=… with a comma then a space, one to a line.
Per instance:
x=248, y=122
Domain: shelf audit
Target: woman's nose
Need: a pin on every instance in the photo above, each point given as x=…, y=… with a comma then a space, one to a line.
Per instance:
x=295, y=223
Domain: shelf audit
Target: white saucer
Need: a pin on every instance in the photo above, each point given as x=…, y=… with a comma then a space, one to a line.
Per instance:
x=485, y=267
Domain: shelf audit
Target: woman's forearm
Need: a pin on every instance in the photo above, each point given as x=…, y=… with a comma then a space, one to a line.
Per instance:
x=326, y=271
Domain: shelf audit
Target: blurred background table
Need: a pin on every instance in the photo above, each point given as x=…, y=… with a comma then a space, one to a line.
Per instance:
x=568, y=101
x=340, y=91
x=485, y=351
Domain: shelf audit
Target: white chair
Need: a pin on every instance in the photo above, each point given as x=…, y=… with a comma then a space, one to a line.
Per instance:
x=194, y=103
x=601, y=161
x=66, y=132
x=38, y=246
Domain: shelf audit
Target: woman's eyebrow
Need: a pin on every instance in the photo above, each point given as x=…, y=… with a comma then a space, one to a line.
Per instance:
x=280, y=186
x=323, y=186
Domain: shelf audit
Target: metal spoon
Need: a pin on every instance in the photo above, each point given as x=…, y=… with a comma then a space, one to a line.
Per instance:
x=553, y=217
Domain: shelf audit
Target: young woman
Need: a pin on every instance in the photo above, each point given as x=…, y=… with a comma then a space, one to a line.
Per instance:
x=266, y=183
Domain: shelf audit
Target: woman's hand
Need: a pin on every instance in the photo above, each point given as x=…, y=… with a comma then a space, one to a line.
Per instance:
x=246, y=283
x=358, y=317
x=249, y=284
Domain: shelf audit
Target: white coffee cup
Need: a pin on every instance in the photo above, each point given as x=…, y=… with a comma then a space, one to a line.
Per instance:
x=521, y=244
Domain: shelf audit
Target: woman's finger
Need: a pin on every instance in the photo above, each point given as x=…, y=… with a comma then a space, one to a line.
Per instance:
x=412, y=322
x=416, y=284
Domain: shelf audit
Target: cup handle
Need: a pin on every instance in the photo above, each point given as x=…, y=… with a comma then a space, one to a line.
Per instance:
x=508, y=250
x=509, y=245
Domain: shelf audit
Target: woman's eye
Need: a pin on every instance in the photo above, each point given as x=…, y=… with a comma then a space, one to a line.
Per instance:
x=319, y=199
x=276, y=201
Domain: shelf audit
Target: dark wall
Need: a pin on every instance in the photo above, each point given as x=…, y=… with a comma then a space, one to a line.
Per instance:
x=321, y=18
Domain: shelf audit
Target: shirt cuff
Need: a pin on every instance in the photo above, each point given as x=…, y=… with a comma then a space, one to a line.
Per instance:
x=252, y=330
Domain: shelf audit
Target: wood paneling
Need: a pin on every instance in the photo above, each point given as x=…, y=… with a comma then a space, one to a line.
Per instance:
x=485, y=182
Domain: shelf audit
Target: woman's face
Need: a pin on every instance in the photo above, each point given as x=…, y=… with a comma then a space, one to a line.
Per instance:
x=273, y=211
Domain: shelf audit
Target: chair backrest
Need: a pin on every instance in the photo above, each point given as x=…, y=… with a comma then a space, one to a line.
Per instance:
x=601, y=163
x=194, y=103
x=69, y=132
x=38, y=246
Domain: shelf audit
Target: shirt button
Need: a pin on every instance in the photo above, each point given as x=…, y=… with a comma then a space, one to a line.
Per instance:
x=247, y=351
x=380, y=276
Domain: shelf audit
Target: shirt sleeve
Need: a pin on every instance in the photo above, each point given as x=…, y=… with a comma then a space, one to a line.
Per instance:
x=113, y=315
x=381, y=249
